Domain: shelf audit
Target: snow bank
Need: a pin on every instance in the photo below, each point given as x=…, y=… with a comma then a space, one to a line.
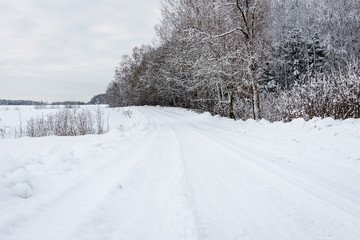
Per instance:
x=28, y=165
x=13, y=119
x=335, y=139
x=338, y=139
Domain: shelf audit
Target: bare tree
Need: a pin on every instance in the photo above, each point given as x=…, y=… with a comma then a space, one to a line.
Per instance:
x=253, y=25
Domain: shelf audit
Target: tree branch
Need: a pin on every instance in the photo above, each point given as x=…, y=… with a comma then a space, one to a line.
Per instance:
x=244, y=18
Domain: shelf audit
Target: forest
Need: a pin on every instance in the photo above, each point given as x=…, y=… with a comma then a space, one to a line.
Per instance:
x=271, y=59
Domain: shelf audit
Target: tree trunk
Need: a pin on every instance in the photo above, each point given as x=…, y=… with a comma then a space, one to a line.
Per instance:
x=255, y=92
x=231, y=107
x=256, y=102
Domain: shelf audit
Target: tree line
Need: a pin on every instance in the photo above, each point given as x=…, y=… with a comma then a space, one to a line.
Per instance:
x=272, y=59
x=97, y=99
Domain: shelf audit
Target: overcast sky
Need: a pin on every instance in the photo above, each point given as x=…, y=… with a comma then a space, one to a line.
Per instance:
x=55, y=50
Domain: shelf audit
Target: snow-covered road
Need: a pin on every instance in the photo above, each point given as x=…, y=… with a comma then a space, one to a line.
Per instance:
x=180, y=175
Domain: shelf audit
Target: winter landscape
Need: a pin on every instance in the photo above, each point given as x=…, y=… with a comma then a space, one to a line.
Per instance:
x=241, y=120
x=170, y=173
x=167, y=173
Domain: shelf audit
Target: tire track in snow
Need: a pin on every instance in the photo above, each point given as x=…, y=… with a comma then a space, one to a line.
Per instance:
x=298, y=178
x=221, y=211
x=339, y=211
x=151, y=203
x=317, y=187
x=187, y=189
x=312, y=213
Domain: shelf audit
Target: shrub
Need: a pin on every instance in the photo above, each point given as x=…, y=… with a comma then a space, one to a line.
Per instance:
x=336, y=96
x=67, y=122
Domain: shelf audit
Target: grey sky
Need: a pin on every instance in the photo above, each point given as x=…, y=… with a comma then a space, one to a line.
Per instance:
x=56, y=50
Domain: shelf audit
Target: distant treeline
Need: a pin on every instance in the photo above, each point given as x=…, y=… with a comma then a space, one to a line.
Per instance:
x=19, y=102
x=98, y=99
x=68, y=103
x=29, y=102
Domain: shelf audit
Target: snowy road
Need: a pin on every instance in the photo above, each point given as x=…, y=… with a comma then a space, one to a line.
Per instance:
x=186, y=176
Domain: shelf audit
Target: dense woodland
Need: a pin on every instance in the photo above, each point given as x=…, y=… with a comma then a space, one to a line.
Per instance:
x=272, y=59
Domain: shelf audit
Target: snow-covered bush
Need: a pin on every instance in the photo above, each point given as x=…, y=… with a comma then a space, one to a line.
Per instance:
x=336, y=96
x=67, y=122
x=127, y=112
x=99, y=120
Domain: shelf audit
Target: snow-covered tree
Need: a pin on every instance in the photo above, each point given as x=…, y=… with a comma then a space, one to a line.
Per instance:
x=240, y=58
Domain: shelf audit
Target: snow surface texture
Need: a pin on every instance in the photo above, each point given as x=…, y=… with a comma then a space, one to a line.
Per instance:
x=165, y=173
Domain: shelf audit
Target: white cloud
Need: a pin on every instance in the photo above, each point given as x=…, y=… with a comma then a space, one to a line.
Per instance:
x=67, y=49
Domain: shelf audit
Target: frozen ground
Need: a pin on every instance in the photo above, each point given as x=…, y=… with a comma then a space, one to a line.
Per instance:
x=165, y=173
